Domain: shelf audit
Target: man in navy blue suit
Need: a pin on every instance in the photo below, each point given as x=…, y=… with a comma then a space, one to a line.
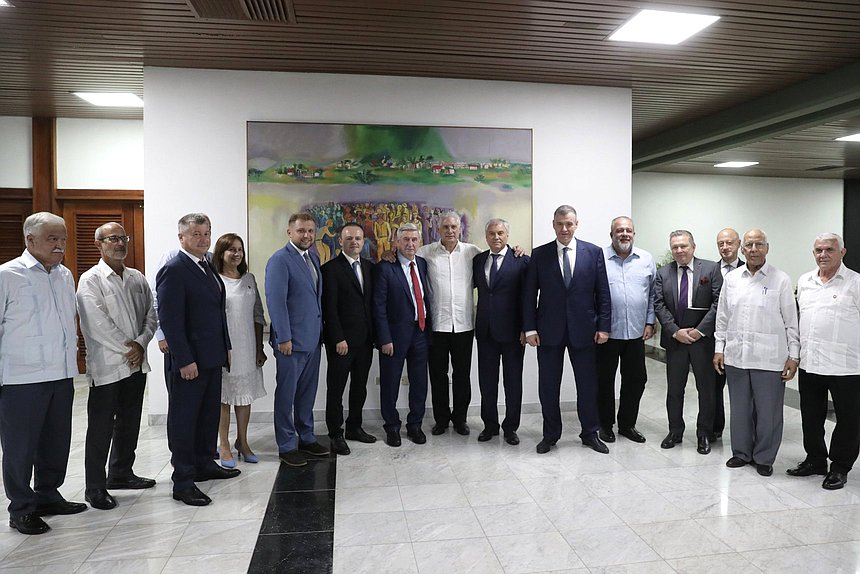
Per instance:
x=499, y=278
x=401, y=315
x=192, y=314
x=294, y=299
x=573, y=312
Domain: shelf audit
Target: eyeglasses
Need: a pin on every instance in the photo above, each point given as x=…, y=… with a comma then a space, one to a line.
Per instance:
x=756, y=244
x=116, y=238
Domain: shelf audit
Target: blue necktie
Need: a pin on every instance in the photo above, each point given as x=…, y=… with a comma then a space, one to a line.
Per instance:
x=493, y=269
x=565, y=265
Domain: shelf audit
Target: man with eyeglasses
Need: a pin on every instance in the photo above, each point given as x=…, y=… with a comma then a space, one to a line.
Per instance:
x=117, y=322
x=758, y=347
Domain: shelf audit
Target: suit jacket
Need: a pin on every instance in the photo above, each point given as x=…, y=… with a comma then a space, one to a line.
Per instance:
x=500, y=307
x=706, y=285
x=346, y=309
x=583, y=308
x=295, y=304
x=192, y=314
x=393, y=311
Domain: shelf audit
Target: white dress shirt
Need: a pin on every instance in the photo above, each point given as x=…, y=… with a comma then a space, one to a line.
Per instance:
x=830, y=323
x=690, y=285
x=757, y=320
x=450, y=278
x=114, y=310
x=571, y=255
x=405, y=267
x=357, y=272
x=499, y=260
x=38, y=338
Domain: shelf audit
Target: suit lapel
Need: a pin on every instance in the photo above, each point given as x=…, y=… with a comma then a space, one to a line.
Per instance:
x=481, y=258
x=673, y=283
x=197, y=271
x=401, y=277
x=505, y=267
x=300, y=261
x=347, y=268
x=697, y=277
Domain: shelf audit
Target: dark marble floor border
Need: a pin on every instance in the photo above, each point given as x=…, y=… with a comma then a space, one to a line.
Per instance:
x=297, y=534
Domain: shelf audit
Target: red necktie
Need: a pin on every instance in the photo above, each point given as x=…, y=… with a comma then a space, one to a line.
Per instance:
x=419, y=300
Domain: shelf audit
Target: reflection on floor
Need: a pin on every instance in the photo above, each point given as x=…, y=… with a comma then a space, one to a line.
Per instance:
x=455, y=505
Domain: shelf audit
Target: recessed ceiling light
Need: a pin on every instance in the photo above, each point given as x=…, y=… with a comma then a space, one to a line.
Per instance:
x=6, y=4
x=111, y=99
x=660, y=27
x=736, y=164
x=851, y=138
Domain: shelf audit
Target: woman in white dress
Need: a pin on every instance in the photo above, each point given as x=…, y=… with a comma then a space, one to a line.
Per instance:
x=244, y=382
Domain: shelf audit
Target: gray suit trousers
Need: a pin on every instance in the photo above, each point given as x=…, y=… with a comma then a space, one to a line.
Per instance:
x=756, y=398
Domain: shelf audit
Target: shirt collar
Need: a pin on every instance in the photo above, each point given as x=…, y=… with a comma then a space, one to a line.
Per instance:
x=105, y=269
x=403, y=261
x=765, y=270
x=690, y=265
x=350, y=260
x=503, y=252
x=193, y=257
x=457, y=248
x=299, y=249
x=733, y=264
x=634, y=252
x=840, y=273
x=30, y=262
x=559, y=246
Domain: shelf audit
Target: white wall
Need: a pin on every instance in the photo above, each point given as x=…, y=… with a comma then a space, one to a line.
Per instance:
x=791, y=211
x=16, y=151
x=195, y=130
x=99, y=154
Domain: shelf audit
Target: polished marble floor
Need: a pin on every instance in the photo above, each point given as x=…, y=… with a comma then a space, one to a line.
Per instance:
x=455, y=505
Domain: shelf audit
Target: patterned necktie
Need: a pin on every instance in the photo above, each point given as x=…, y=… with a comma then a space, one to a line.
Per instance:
x=356, y=267
x=683, y=293
x=311, y=268
x=493, y=269
x=565, y=265
x=419, y=300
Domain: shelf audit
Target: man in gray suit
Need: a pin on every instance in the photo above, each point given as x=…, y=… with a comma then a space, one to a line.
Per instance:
x=685, y=301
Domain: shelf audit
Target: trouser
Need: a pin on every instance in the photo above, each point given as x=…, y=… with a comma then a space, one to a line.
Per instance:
x=414, y=355
x=845, y=441
x=36, y=431
x=631, y=354
x=550, y=369
x=490, y=353
x=113, y=424
x=756, y=398
x=355, y=366
x=678, y=361
x=459, y=347
x=297, y=378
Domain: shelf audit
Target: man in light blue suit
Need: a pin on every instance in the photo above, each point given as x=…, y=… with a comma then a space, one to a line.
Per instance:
x=293, y=296
x=573, y=312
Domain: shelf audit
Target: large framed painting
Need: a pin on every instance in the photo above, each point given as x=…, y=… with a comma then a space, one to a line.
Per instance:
x=380, y=177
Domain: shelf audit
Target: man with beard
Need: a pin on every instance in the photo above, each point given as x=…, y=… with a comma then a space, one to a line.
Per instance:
x=631, y=272
x=117, y=322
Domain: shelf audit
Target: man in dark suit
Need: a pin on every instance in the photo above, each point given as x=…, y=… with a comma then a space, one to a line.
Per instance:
x=685, y=301
x=294, y=298
x=728, y=244
x=402, y=321
x=192, y=314
x=499, y=278
x=348, y=334
x=573, y=312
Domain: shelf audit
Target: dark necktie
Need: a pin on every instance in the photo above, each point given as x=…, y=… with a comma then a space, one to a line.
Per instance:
x=565, y=265
x=311, y=269
x=493, y=269
x=419, y=300
x=683, y=293
x=356, y=267
x=208, y=271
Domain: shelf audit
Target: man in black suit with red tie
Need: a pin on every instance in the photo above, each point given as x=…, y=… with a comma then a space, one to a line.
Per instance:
x=348, y=333
x=192, y=314
x=499, y=278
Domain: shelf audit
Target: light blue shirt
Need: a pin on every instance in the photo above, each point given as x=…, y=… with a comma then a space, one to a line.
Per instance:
x=38, y=337
x=631, y=287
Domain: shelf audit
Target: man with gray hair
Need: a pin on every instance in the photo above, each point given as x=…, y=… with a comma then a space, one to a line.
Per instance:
x=829, y=300
x=758, y=347
x=117, y=322
x=38, y=360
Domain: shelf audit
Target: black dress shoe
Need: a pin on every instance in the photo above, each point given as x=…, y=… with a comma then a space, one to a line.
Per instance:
x=834, y=480
x=595, y=444
x=60, y=507
x=671, y=440
x=392, y=438
x=438, y=429
x=806, y=468
x=293, y=458
x=314, y=448
x=703, y=445
x=606, y=434
x=736, y=462
x=543, y=446
x=29, y=524
x=631, y=434
x=512, y=438
x=359, y=435
x=131, y=482
x=217, y=473
x=417, y=436
x=487, y=435
x=339, y=446
x=100, y=498
x=764, y=469
x=191, y=496
x=461, y=428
